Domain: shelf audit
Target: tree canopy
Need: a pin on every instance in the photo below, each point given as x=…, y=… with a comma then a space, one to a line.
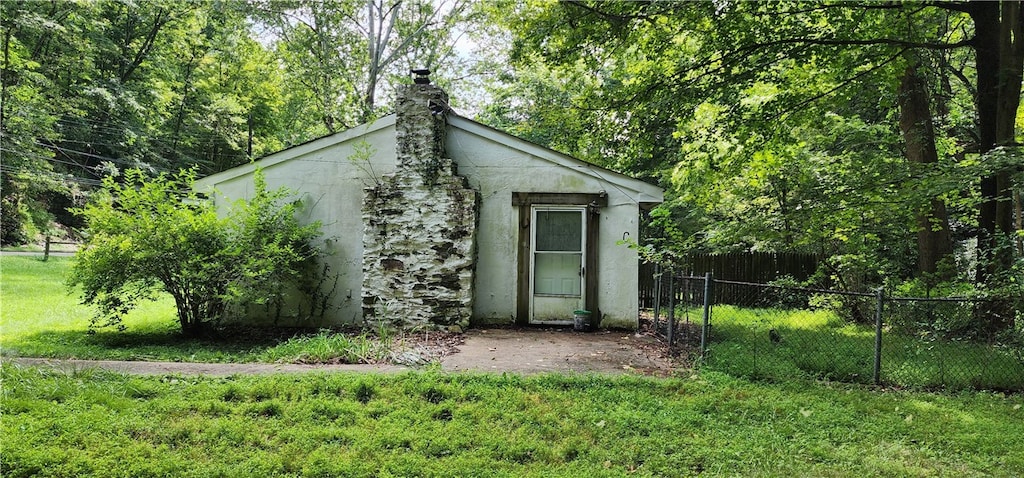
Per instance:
x=92, y=88
x=881, y=136
x=791, y=126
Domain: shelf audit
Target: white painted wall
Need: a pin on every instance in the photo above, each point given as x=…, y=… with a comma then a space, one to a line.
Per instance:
x=331, y=185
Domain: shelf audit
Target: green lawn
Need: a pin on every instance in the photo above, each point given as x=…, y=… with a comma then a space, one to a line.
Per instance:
x=39, y=317
x=817, y=344
x=42, y=318
x=91, y=423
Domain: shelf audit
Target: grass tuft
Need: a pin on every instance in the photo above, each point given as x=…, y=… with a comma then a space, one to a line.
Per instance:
x=364, y=392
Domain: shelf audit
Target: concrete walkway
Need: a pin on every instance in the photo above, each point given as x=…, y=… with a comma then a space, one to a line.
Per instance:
x=37, y=253
x=518, y=351
x=524, y=350
x=194, y=368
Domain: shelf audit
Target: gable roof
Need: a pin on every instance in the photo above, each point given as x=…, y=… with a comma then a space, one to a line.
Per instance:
x=643, y=192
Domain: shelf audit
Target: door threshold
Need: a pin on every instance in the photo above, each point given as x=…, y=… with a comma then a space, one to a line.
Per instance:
x=552, y=322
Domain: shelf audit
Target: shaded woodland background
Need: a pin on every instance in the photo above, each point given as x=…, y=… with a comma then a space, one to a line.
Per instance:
x=880, y=137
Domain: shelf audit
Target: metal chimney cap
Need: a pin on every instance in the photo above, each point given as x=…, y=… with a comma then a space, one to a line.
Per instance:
x=422, y=76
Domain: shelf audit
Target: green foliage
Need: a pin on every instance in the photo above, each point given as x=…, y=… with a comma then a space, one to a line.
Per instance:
x=272, y=248
x=427, y=424
x=149, y=235
x=91, y=88
x=773, y=127
x=28, y=118
x=345, y=53
x=94, y=87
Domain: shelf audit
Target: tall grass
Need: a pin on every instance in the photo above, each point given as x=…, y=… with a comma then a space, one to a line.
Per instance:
x=89, y=423
x=329, y=346
x=785, y=344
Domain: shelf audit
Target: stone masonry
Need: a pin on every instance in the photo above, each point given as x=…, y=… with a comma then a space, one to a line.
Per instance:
x=419, y=225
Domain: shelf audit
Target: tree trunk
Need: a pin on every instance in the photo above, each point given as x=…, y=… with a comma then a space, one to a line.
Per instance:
x=374, y=56
x=933, y=239
x=1000, y=60
x=1019, y=206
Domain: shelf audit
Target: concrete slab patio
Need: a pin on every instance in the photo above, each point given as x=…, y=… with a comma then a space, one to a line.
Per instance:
x=526, y=350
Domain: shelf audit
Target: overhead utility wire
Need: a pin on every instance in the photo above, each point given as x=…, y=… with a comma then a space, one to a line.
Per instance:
x=124, y=162
x=51, y=175
x=201, y=137
x=40, y=156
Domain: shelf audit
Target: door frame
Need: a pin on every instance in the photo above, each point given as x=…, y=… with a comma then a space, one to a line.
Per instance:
x=525, y=201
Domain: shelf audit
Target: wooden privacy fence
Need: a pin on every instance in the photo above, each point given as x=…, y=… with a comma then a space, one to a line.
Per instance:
x=760, y=267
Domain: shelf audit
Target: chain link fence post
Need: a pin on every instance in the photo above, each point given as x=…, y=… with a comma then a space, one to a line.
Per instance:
x=879, y=308
x=657, y=297
x=706, y=325
x=671, y=308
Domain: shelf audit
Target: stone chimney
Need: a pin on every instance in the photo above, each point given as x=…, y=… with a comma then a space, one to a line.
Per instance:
x=419, y=225
x=420, y=129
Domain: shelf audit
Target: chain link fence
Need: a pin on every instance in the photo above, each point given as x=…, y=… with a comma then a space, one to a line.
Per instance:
x=777, y=332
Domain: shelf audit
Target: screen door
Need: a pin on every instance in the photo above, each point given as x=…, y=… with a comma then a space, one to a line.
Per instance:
x=558, y=246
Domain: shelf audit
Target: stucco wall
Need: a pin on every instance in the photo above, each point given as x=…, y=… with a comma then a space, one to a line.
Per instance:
x=496, y=171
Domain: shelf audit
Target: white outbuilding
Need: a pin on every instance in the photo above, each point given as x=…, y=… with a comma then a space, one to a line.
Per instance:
x=431, y=219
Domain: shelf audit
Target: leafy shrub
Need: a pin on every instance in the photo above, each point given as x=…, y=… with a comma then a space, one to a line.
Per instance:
x=270, y=246
x=957, y=309
x=786, y=293
x=146, y=235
